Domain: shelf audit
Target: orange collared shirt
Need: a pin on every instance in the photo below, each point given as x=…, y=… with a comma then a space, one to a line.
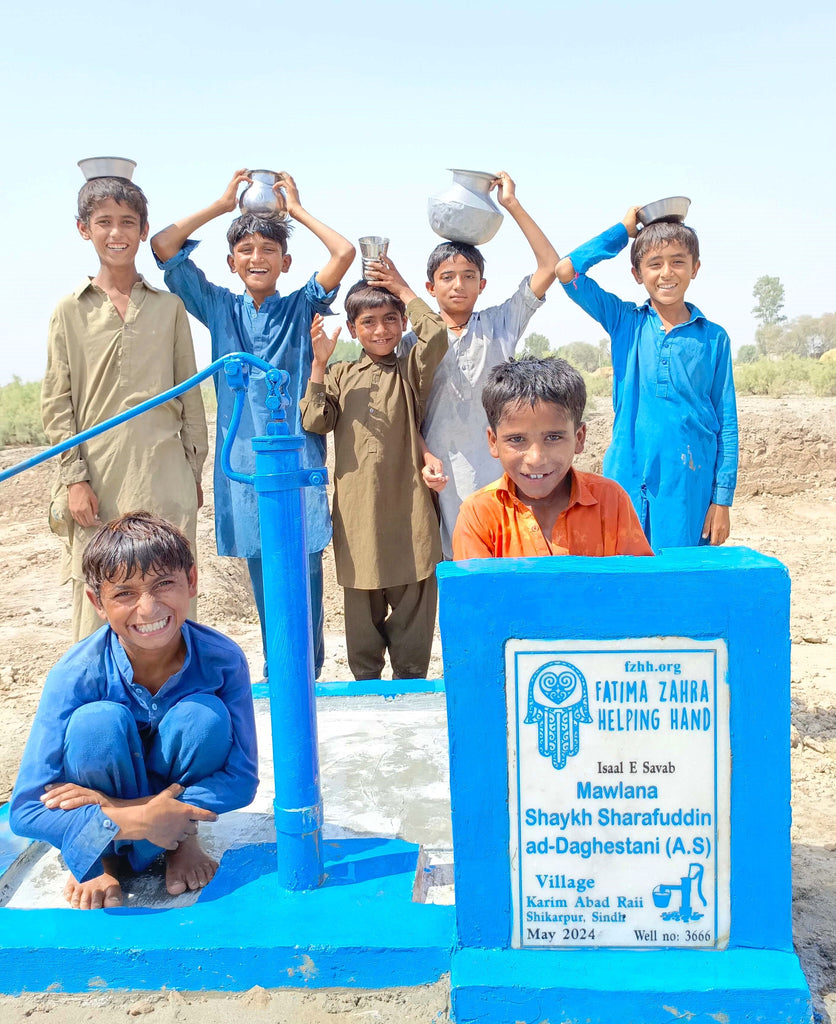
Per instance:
x=599, y=520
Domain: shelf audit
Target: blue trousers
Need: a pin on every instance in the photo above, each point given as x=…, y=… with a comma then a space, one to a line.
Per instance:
x=103, y=750
x=317, y=614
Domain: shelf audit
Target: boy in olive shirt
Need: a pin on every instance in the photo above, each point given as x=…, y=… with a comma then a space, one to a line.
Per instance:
x=386, y=538
x=114, y=343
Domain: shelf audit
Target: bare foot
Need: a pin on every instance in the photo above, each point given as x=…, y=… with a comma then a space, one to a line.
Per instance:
x=188, y=867
x=104, y=891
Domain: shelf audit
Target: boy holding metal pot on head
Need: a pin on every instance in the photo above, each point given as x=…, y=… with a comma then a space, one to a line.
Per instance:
x=674, y=443
x=114, y=343
x=277, y=329
x=454, y=422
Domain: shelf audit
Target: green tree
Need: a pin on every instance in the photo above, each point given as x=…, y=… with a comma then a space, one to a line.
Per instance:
x=604, y=352
x=772, y=341
x=769, y=293
x=747, y=354
x=805, y=336
x=20, y=413
x=536, y=345
x=581, y=355
x=827, y=328
x=812, y=335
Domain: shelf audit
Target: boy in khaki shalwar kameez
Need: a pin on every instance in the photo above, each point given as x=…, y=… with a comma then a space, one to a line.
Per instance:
x=386, y=534
x=115, y=342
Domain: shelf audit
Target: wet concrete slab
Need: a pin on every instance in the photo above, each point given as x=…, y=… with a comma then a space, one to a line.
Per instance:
x=384, y=773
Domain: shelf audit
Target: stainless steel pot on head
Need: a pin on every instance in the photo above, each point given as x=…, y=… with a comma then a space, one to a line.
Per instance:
x=107, y=167
x=465, y=211
x=674, y=208
x=259, y=198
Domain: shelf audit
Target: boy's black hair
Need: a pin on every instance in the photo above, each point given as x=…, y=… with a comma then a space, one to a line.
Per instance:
x=122, y=190
x=448, y=251
x=274, y=228
x=136, y=543
x=368, y=296
x=663, y=232
x=534, y=380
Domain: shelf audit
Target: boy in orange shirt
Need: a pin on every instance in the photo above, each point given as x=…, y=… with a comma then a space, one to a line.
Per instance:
x=541, y=505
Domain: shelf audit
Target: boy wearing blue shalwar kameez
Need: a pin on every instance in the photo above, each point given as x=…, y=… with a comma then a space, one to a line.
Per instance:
x=277, y=329
x=143, y=729
x=674, y=442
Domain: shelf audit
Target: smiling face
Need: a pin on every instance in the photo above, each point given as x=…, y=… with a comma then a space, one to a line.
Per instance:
x=666, y=273
x=378, y=329
x=259, y=262
x=456, y=285
x=536, y=445
x=115, y=229
x=147, y=611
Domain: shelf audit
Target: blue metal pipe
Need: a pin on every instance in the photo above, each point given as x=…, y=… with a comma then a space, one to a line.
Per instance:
x=129, y=414
x=237, y=377
x=297, y=807
x=278, y=480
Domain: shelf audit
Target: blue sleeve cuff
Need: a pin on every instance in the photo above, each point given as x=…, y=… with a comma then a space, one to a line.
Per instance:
x=82, y=848
x=319, y=299
x=188, y=248
x=603, y=247
x=722, y=495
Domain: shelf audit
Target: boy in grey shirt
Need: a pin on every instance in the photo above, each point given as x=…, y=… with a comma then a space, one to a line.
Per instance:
x=454, y=423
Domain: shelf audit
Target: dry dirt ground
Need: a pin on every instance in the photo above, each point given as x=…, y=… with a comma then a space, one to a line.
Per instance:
x=785, y=506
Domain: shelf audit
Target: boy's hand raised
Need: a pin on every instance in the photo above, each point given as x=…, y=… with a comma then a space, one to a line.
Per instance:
x=630, y=221
x=383, y=273
x=290, y=199
x=544, y=252
x=506, y=190
x=168, y=242
x=323, y=347
x=229, y=200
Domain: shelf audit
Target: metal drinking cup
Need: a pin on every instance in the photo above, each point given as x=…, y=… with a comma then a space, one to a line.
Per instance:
x=372, y=249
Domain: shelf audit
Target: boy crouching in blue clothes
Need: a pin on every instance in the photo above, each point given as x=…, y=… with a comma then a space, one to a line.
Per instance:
x=674, y=440
x=144, y=728
x=277, y=329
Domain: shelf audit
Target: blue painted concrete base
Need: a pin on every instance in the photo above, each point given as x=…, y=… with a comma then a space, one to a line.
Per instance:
x=364, y=687
x=740, y=986
x=360, y=929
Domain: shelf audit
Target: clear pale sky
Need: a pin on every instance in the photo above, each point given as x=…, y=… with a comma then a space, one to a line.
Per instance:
x=590, y=106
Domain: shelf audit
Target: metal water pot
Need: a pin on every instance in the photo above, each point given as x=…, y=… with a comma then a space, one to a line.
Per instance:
x=465, y=212
x=259, y=197
x=107, y=167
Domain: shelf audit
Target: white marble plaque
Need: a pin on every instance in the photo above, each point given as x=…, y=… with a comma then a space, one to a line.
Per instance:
x=619, y=773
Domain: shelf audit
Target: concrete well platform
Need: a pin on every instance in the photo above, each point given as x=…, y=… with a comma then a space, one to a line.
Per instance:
x=384, y=916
